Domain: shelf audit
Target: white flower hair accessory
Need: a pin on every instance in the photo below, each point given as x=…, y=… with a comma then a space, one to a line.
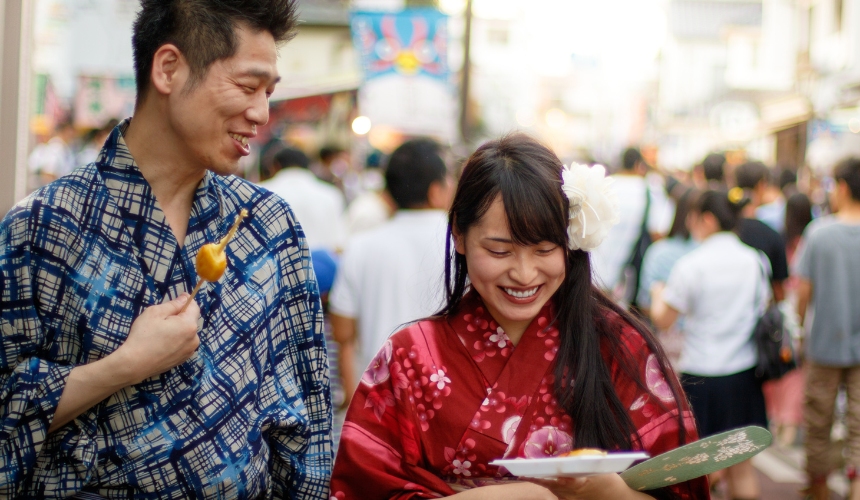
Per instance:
x=593, y=205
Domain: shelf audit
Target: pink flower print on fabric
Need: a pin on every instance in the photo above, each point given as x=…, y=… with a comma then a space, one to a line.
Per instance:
x=378, y=372
x=398, y=379
x=509, y=432
x=440, y=379
x=379, y=401
x=476, y=322
x=424, y=416
x=500, y=338
x=338, y=496
x=461, y=462
x=656, y=382
x=547, y=442
x=461, y=468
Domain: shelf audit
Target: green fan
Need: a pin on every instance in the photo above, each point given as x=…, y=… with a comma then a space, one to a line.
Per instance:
x=698, y=458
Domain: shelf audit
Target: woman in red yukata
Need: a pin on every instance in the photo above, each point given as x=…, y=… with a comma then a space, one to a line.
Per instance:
x=527, y=359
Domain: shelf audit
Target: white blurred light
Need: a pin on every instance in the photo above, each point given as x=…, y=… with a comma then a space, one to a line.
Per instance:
x=854, y=125
x=361, y=125
x=452, y=7
x=555, y=118
x=525, y=118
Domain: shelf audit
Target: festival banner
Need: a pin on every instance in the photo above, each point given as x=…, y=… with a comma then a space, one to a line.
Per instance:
x=407, y=83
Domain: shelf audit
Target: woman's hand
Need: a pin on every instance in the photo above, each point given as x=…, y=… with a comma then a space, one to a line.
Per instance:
x=512, y=491
x=583, y=488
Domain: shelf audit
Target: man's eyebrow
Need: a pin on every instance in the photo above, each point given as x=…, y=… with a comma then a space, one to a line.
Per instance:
x=261, y=74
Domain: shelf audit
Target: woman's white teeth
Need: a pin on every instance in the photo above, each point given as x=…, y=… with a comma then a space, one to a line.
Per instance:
x=521, y=294
x=240, y=138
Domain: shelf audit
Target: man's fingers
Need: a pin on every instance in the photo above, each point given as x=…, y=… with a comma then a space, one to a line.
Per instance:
x=171, y=307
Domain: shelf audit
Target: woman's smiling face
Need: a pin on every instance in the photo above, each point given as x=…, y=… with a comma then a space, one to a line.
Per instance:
x=514, y=281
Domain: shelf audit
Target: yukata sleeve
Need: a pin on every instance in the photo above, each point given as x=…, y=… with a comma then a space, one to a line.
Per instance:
x=380, y=455
x=301, y=442
x=30, y=385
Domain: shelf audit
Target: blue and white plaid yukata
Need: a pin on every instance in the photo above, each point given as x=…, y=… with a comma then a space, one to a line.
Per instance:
x=248, y=416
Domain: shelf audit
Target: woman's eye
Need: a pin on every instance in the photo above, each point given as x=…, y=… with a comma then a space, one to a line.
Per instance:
x=497, y=252
x=546, y=251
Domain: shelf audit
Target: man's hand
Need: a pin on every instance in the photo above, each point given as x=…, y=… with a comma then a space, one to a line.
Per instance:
x=160, y=338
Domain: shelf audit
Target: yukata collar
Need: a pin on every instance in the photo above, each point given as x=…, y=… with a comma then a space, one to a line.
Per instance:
x=142, y=215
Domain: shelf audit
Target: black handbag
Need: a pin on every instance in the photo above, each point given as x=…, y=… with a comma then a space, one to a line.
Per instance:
x=776, y=355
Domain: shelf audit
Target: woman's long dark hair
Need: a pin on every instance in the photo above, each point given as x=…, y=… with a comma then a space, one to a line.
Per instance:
x=527, y=176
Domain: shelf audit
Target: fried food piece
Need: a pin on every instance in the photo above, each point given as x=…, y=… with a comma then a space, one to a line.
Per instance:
x=211, y=259
x=584, y=452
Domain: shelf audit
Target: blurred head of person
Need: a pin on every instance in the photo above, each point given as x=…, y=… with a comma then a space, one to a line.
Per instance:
x=685, y=202
x=632, y=162
x=716, y=211
x=714, y=168
x=786, y=180
x=753, y=177
x=846, y=193
x=290, y=158
x=798, y=214
x=330, y=153
x=204, y=70
x=509, y=227
x=416, y=176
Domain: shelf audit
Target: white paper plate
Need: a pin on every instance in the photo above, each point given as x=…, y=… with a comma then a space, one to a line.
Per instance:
x=584, y=465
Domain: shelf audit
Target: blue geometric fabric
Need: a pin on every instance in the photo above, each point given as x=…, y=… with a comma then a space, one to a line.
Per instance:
x=247, y=416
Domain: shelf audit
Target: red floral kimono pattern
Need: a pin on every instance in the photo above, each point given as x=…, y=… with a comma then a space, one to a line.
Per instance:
x=445, y=397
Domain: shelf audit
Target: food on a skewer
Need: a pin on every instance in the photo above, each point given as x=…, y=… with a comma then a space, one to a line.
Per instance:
x=212, y=259
x=584, y=452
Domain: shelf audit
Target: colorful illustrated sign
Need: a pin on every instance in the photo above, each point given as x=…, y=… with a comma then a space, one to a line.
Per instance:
x=411, y=42
x=406, y=75
x=100, y=98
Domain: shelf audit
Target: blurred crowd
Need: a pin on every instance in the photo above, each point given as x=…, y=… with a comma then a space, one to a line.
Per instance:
x=697, y=254
x=62, y=148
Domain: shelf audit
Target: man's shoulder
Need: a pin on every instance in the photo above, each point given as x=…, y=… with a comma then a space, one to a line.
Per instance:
x=822, y=230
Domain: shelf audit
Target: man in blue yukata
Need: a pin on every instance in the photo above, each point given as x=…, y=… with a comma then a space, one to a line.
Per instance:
x=107, y=388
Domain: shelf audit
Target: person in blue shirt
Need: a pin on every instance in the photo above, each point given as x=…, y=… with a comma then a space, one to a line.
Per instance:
x=109, y=389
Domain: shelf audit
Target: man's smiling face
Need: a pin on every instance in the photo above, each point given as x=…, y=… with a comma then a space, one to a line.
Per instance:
x=218, y=115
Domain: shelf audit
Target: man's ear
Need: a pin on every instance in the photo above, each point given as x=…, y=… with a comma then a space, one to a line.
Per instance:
x=439, y=195
x=169, y=69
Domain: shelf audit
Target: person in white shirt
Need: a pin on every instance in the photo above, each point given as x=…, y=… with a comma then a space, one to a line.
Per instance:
x=631, y=184
x=393, y=274
x=720, y=288
x=54, y=158
x=319, y=206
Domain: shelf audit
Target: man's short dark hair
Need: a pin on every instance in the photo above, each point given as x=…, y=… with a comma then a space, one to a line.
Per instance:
x=630, y=158
x=714, y=167
x=848, y=170
x=412, y=168
x=290, y=157
x=204, y=30
x=749, y=174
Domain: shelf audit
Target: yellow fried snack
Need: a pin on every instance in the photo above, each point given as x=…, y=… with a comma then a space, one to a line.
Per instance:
x=583, y=452
x=212, y=260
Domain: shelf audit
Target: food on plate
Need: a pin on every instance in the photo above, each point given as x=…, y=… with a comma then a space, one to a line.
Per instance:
x=212, y=260
x=584, y=452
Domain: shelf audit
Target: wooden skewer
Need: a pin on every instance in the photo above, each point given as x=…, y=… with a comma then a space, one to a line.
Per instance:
x=191, y=297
